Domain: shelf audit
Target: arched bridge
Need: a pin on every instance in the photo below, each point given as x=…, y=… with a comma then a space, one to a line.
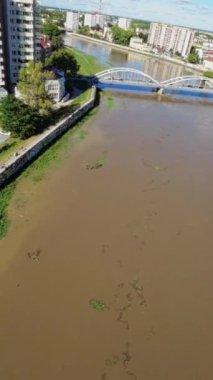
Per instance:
x=123, y=78
x=125, y=74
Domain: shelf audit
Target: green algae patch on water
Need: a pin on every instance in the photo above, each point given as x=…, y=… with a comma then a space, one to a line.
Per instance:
x=110, y=103
x=5, y=196
x=98, y=304
x=99, y=163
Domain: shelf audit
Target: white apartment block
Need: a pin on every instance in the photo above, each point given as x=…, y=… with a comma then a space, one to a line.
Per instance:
x=124, y=23
x=72, y=21
x=90, y=20
x=23, y=28
x=170, y=37
x=101, y=20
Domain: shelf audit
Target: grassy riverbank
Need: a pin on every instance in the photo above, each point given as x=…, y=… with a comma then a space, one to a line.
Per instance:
x=36, y=171
x=54, y=154
x=11, y=145
x=89, y=65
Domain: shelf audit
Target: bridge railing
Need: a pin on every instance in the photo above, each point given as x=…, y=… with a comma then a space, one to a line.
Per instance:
x=137, y=76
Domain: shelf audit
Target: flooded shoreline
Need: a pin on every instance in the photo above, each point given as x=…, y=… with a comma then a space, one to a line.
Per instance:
x=132, y=234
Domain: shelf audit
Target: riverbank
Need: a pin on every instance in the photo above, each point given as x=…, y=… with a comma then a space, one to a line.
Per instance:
x=22, y=157
x=143, y=53
x=16, y=164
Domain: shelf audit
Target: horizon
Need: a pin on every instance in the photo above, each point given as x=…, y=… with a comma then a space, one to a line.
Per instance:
x=122, y=16
x=195, y=14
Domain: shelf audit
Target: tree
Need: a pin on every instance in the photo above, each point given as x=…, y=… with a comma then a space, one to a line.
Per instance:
x=32, y=86
x=121, y=36
x=85, y=30
x=64, y=60
x=144, y=37
x=57, y=16
x=50, y=29
x=193, y=56
x=18, y=118
x=57, y=42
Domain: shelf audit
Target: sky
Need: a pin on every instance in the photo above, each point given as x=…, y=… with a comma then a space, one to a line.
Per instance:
x=192, y=13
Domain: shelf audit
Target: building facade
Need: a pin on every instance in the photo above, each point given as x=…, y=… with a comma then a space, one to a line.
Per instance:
x=100, y=20
x=20, y=34
x=124, y=23
x=3, y=46
x=90, y=20
x=55, y=87
x=171, y=38
x=72, y=21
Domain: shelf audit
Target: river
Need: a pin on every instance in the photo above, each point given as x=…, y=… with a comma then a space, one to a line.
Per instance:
x=106, y=274
x=156, y=68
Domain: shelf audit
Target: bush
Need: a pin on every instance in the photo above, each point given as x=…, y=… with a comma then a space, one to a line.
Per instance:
x=19, y=118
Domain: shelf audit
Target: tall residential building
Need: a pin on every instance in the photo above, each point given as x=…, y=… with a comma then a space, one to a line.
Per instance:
x=72, y=21
x=100, y=20
x=21, y=27
x=90, y=19
x=170, y=37
x=124, y=23
x=3, y=46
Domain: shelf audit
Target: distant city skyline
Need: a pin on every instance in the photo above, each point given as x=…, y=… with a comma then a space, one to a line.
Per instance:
x=197, y=14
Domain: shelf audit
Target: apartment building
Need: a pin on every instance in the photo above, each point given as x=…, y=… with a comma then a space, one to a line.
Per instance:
x=20, y=39
x=90, y=19
x=171, y=38
x=100, y=20
x=72, y=21
x=124, y=23
x=3, y=52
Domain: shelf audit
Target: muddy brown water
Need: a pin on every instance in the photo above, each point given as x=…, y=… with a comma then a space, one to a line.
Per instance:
x=135, y=234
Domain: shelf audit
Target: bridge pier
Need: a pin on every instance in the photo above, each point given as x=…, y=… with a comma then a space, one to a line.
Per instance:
x=159, y=90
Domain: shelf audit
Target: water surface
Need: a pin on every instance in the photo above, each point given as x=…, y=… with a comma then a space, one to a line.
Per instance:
x=135, y=234
x=158, y=69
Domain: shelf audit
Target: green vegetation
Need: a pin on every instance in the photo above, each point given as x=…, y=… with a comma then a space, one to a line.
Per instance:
x=208, y=74
x=37, y=170
x=55, y=153
x=57, y=16
x=121, y=36
x=193, y=56
x=19, y=118
x=98, y=305
x=50, y=29
x=5, y=197
x=140, y=24
x=10, y=146
x=32, y=86
x=110, y=103
x=85, y=30
x=34, y=256
x=99, y=163
x=89, y=65
x=64, y=59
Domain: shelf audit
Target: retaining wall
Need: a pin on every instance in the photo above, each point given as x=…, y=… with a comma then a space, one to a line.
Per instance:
x=15, y=164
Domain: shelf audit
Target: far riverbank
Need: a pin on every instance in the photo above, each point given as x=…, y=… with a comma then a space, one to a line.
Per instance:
x=141, y=53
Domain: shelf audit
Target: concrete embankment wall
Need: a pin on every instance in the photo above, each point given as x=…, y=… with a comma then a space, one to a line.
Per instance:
x=15, y=164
